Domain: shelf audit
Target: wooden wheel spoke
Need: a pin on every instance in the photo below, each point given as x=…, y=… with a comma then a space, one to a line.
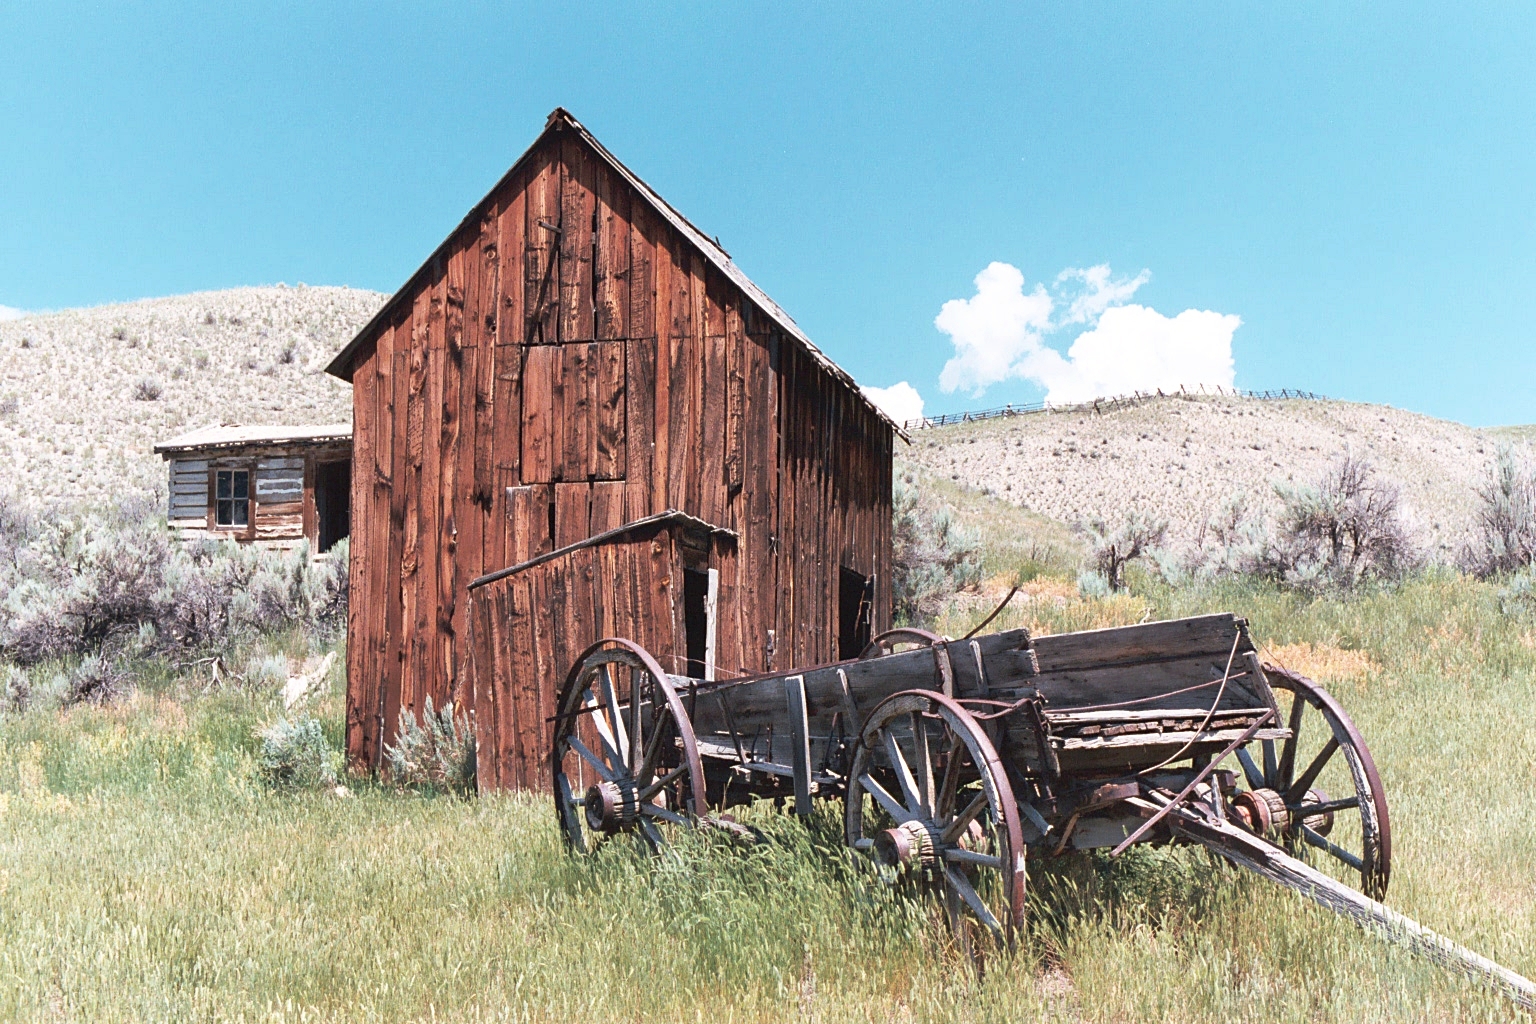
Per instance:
x=603, y=771
x=903, y=774
x=956, y=828
x=1304, y=810
x=652, y=748
x=617, y=738
x=604, y=733
x=660, y=784
x=924, y=757
x=1287, y=766
x=636, y=743
x=885, y=800
x=955, y=855
x=1271, y=765
x=1299, y=788
x=1323, y=843
x=960, y=884
x=1250, y=770
x=652, y=835
x=944, y=800
x=661, y=812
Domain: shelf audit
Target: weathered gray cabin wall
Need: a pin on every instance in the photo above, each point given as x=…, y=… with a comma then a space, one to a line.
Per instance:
x=282, y=492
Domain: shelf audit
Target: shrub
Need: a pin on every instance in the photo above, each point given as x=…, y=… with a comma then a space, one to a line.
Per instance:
x=97, y=680
x=9, y=405
x=1340, y=531
x=268, y=671
x=933, y=557
x=148, y=389
x=1114, y=548
x=1505, y=524
x=436, y=754
x=296, y=755
x=72, y=585
x=17, y=696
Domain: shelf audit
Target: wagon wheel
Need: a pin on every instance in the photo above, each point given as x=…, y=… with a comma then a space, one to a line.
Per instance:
x=887, y=642
x=1303, y=792
x=940, y=804
x=624, y=757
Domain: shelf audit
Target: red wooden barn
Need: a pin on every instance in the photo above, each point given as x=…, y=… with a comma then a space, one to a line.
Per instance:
x=579, y=418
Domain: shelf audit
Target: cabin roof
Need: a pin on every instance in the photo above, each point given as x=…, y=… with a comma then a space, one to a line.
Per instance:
x=233, y=435
x=560, y=119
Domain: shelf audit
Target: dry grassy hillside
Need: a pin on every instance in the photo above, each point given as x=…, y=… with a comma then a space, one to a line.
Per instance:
x=1180, y=458
x=85, y=393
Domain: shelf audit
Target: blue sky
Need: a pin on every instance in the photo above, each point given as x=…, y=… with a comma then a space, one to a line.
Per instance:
x=1349, y=194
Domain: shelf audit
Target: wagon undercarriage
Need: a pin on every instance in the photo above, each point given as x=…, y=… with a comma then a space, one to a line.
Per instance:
x=957, y=760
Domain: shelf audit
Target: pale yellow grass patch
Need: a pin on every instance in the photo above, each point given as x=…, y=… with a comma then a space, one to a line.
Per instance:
x=1324, y=662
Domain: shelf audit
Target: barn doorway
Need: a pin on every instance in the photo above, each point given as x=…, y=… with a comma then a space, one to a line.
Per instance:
x=333, y=503
x=699, y=589
x=855, y=602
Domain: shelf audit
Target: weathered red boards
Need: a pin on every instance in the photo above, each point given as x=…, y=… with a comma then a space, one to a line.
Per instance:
x=575, y=357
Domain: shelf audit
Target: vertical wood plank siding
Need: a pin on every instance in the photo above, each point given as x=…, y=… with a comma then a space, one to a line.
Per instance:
x=662, y=386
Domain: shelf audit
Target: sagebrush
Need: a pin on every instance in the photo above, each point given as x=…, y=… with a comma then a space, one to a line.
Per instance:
x=435, y=753
x=932, y=555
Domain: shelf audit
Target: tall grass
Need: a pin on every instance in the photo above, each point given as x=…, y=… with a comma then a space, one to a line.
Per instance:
x=146, y=874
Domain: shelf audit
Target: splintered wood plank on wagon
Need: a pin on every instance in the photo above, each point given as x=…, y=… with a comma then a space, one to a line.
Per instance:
x=1175, y=638
x=759, y=702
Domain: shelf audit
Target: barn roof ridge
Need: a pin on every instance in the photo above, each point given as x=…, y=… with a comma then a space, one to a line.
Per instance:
x=560, y=119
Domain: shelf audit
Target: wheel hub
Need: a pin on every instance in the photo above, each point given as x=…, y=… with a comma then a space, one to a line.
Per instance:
x=912, y=842
x=1322, y=823
x=612, y=805
x=1261, y=810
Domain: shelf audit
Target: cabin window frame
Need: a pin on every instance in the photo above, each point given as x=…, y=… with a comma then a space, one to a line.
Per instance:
x=232, y=528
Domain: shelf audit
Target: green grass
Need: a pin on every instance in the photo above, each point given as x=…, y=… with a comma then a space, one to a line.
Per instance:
x=145, y=874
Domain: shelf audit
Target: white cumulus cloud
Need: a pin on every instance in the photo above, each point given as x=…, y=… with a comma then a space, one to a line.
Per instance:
x=994, y=330
x=999, y=334
x=11, y=313
x=900, y=402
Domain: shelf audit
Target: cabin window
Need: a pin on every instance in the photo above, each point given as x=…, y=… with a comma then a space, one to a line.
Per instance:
x=232, y=498
x=855, y=601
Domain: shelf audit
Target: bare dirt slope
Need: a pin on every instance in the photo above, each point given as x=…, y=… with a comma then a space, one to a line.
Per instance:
x=1181, y=458
x=77, y=420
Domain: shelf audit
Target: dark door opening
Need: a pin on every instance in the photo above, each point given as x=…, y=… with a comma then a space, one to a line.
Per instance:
x=333, y=503
x=855, y=601
x=696, y=619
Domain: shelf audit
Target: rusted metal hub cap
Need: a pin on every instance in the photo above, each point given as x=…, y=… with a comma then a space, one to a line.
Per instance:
x=1261, y=810
x=1322, y=824
x=914, y=842
x=612, y=805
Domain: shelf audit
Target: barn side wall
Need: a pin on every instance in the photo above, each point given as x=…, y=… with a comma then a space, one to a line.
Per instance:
x=462, y=468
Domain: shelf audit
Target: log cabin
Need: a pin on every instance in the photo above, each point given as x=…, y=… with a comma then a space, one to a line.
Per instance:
x=579, y=418
x=271, y=486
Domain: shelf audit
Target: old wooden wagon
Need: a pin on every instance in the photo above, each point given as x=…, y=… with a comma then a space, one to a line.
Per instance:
x=956, y=760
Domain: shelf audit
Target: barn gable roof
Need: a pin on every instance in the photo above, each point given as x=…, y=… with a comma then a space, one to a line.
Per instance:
x=561, y=119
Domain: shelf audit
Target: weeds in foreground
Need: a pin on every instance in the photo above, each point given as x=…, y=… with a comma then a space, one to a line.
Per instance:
x=146, y=872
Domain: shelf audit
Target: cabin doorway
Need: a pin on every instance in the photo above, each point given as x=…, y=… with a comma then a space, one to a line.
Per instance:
x=855, y=602
x=333, y=503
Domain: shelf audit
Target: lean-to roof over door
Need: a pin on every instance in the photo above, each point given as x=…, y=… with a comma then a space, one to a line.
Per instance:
x=561, y=119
